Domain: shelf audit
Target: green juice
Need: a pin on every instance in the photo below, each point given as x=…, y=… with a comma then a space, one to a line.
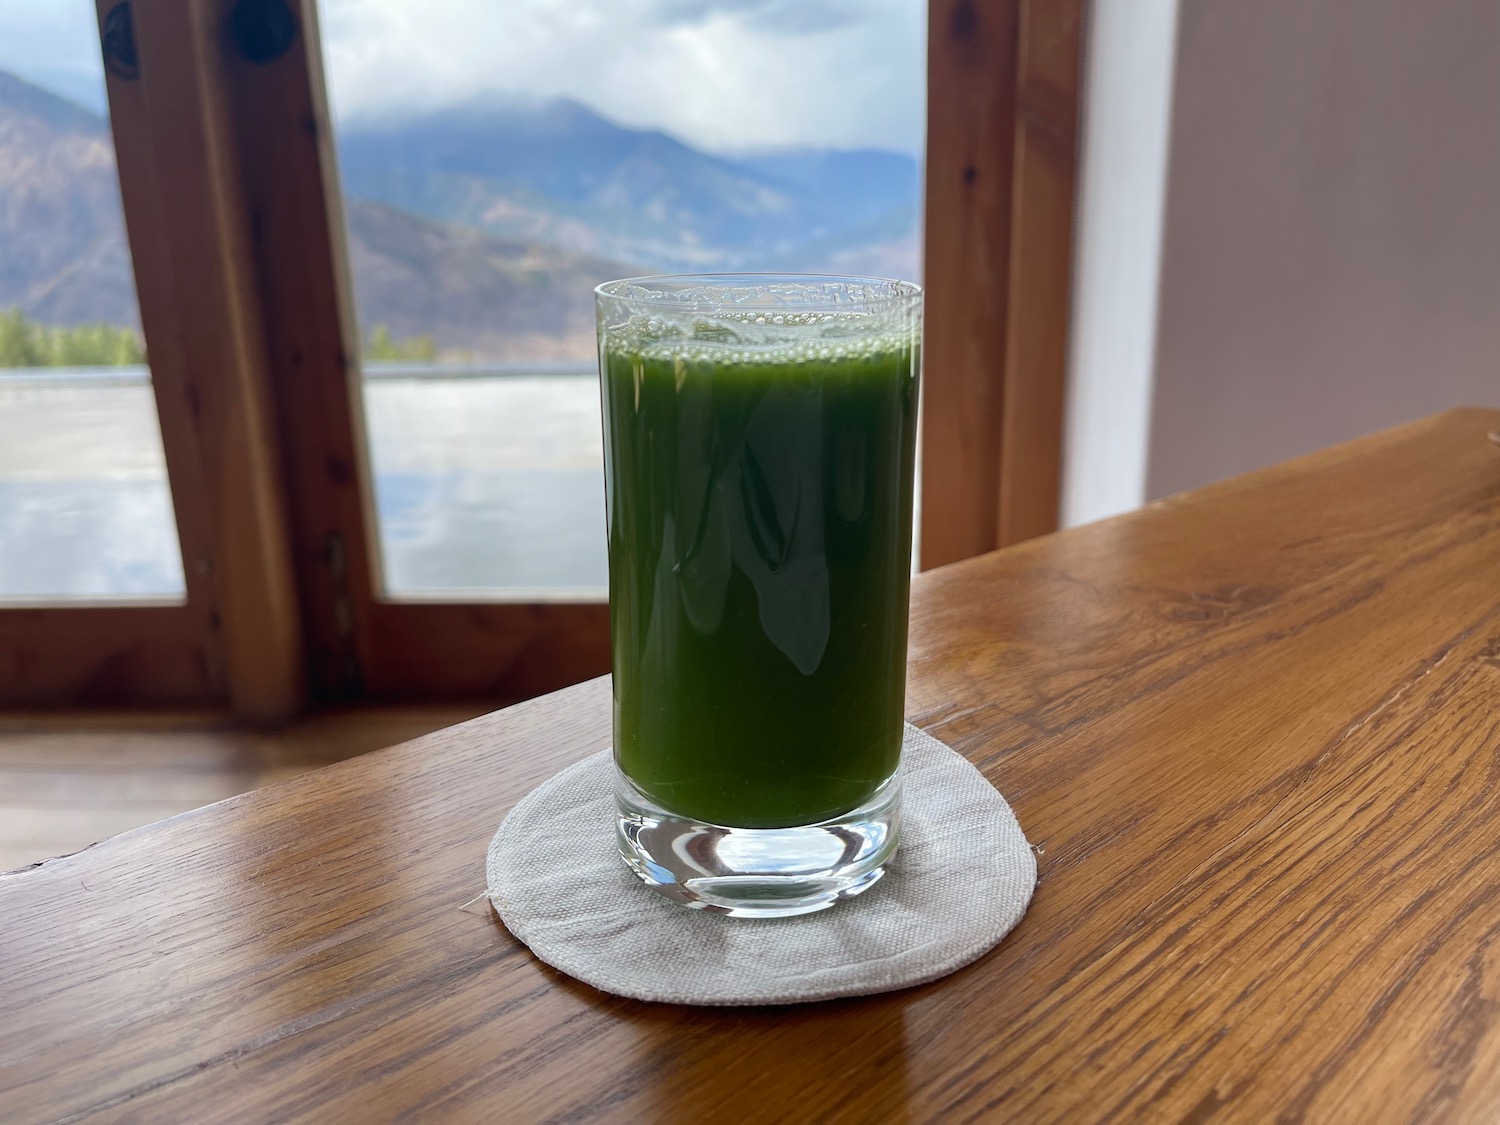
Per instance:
x=759, y=507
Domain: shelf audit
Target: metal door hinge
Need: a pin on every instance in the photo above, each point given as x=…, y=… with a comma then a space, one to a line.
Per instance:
x=350, y=676
x=262, y=30
x=117, y=40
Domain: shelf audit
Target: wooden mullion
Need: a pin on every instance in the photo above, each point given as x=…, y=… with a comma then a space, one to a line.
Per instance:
x=1043, y=194
x=360, y=643
x=971, y=71
x=145, y=227
x=1003, y=93
x=284, y=134
x=202, y=319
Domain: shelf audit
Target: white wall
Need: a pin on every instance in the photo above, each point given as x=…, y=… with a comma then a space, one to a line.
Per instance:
x=1127, y=104
x=1329, y=244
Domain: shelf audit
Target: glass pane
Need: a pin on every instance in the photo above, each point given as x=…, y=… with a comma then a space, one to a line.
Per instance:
x=500, y=160
x=85, y=511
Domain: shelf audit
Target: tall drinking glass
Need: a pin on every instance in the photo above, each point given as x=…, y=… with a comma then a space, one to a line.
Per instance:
x=759, y=436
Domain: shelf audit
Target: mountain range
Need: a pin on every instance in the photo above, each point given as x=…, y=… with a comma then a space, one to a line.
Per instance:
x=484, y=226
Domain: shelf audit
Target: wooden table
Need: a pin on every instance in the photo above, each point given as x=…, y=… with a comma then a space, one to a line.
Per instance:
x=1253, y=731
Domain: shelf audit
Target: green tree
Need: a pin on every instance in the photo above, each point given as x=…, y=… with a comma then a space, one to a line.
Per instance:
x=380, y=346
x=88, y=345
x=25, y=343
x=19, y=345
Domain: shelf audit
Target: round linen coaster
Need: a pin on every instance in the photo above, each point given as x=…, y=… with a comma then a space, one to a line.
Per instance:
x=961, y=880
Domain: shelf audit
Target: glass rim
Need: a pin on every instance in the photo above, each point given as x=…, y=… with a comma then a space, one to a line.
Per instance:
x=686, y=291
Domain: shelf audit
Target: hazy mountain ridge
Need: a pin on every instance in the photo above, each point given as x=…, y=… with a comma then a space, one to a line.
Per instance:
x=471, y=292
x=62, y=238
x=561, y=172
x=485, y=227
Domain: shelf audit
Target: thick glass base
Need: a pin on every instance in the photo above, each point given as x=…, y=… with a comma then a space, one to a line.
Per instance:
x=758, y=872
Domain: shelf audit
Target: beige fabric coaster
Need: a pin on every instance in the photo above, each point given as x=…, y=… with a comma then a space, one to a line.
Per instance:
x=960, y=881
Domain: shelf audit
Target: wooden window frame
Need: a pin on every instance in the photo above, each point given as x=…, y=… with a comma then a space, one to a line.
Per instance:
x=1003, y=96
x=237, y=639
x=235, y=220
x=361, y=644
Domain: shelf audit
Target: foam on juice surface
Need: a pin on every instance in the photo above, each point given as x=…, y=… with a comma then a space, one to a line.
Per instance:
x=761, y=336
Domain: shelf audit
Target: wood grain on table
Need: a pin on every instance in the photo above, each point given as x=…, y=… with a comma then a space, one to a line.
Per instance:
x=1254, y=732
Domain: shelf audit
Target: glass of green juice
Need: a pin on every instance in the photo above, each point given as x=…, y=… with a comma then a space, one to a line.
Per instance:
x=759, y=440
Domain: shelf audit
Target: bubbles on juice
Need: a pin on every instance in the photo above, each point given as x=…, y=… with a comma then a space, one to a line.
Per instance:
x=760, y=336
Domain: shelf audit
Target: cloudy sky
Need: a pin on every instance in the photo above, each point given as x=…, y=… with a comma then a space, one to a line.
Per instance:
x=723, y=74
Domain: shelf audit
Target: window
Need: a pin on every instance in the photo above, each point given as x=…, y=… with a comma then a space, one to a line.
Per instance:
x=85, y=511
x=376, y=407
x=499, y=161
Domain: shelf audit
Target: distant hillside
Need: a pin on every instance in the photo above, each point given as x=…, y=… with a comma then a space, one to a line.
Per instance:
x=63, y=257
x=471, y=292
x=559, y=172
x=486, y=228
x=62, y=242
x=843, y=187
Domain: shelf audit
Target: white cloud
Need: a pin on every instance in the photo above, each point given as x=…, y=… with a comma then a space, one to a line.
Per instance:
x=724, y=74
x=720, y=73
x=54, y=43
x=774, y=17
